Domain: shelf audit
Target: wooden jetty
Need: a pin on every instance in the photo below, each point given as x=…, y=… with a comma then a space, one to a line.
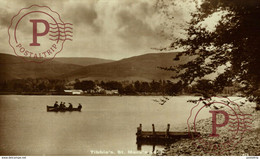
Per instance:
x=160, y=137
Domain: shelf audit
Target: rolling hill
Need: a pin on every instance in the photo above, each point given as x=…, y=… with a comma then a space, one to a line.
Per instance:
x=82, y=61
x=143, y=67
x=13, y=67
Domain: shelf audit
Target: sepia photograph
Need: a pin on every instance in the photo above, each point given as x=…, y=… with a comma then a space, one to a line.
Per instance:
x=133, y=78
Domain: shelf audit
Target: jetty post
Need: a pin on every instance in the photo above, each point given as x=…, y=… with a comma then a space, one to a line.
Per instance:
x=139, y=130
x=153, y=130
x=167, y=131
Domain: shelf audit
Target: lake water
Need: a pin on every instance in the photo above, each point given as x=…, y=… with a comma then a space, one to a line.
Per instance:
x=106, y=125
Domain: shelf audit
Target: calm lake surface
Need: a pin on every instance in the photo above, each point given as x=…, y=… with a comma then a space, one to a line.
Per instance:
x=107, y=124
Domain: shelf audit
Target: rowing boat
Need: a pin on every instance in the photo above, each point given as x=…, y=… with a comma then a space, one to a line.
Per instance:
x=57, y=109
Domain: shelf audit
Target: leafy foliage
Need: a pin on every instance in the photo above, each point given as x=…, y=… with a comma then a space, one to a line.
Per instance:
x=32, y=85
x=84, y=85
x=234, y=43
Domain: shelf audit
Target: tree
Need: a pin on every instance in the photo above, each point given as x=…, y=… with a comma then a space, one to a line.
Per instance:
x=155, y=86
x=113, y=85
x=77, y=84
x=234, y=43
x=204, y=87
x=59, y=87
x=87, y=85
x=137, y=86
x=42, y=87
x=129, y=90
x=173, y=88
x=145, y=87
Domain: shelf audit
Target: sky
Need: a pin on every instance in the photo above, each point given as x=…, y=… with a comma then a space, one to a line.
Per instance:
x=110, y=29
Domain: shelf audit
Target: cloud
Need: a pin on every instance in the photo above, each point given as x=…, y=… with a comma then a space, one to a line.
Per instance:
x=130, y=25
x=82, y=14
x=5, y=18
x=132, y=30
x=137, y=26
x=101, y=28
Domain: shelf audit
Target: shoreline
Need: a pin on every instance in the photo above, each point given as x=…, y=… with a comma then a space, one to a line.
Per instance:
x=248, y=145
x=88, y=95
x=64, y=94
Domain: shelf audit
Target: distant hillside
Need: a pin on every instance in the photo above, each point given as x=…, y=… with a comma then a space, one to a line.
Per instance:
x=144, y=67
x=13, y=67
x=82, y=61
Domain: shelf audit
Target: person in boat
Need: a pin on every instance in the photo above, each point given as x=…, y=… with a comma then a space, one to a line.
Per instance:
x=60, y=105
x=70, y=106
x=56, y=105
x=63, y=105
x=80, y=106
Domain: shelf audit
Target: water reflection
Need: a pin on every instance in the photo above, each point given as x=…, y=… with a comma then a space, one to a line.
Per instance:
x=105, y=124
